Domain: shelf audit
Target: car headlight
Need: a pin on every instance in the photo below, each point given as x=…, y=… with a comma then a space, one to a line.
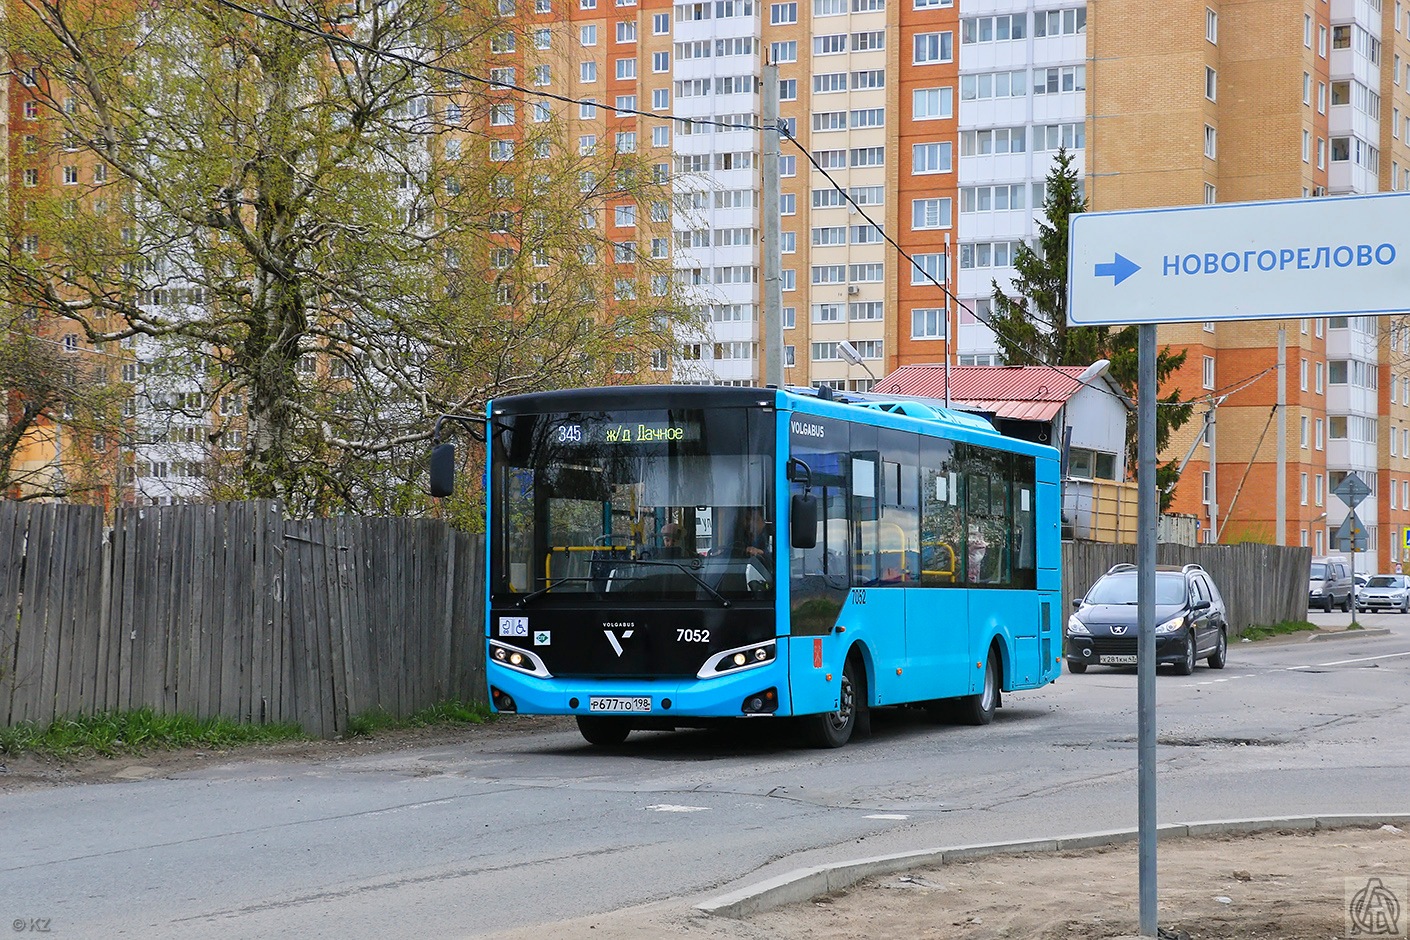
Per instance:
x=1076, y=626
x=1170, y=626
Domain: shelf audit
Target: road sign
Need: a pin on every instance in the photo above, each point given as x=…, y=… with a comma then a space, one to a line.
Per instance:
x=1351, y=534
x=1352, y=490
x=1343, y=255
x=1406, y=535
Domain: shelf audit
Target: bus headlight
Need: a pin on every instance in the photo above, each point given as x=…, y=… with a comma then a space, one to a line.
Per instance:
x=739, y=658
x=520, y=659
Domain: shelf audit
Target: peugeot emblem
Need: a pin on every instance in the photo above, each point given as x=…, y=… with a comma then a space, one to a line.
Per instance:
x=1118, y=630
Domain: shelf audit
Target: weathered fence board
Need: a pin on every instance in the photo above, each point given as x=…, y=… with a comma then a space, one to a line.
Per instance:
x=231, y=610
x=1261, y=584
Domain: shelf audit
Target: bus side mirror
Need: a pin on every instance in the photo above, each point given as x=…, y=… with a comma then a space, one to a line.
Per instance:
x=803, y=521
x=443, y=470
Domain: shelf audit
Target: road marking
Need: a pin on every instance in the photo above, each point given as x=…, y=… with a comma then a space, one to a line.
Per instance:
x=673, y=808
x=887, y=816
x=1247, y=675
x=1364, y=659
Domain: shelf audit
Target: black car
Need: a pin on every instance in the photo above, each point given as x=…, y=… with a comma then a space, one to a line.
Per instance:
x=1190, y=616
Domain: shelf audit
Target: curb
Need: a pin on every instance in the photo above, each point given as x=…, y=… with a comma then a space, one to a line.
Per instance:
x=1347, y=634
x=806, y=883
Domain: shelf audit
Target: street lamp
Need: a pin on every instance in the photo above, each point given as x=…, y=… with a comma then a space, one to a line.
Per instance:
x=849, y=353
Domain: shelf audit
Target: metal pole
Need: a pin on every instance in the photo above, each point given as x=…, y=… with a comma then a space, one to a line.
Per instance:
x=1282, y=483
x=949, y=336
x=771, y=345
x=1213, y=471
x=1145, y=619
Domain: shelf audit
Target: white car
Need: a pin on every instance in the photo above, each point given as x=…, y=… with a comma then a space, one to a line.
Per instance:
x=1384, y=592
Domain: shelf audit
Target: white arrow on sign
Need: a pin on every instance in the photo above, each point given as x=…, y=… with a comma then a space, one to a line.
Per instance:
x=1340, y=255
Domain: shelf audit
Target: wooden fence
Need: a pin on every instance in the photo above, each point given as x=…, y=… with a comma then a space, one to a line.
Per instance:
x=1261, y=584
x=232, y=610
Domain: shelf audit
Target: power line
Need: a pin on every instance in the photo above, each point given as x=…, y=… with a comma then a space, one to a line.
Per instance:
x=412, y=62
x=948, y=294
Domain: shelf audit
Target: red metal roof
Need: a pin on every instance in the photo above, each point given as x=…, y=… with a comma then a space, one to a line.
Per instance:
x=1024, y=393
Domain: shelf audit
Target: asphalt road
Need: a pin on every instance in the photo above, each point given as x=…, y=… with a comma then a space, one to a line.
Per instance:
x=463, y=841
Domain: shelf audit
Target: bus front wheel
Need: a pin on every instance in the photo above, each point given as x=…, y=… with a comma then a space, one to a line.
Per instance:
x=604, y=732
x=978, y=709
x=834, y=729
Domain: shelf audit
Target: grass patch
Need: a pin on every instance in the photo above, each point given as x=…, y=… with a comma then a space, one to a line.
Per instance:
x=370, y=722
x=1277, y=629
x=134, y=732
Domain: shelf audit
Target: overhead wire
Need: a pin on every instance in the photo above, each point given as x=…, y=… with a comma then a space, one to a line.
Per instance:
x=412, y=62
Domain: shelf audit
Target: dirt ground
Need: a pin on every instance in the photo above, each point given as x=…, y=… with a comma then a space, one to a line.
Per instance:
x=1276, y=886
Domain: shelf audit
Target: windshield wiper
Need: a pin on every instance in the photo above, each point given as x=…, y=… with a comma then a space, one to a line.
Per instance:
x=680, y=566
x=532, y=595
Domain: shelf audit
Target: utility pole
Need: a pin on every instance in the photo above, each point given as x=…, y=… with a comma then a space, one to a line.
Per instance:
x=1282, y=482
x=949, y=336
x=771, y=340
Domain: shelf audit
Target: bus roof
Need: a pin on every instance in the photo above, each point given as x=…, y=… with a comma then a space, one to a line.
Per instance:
x=897, y=411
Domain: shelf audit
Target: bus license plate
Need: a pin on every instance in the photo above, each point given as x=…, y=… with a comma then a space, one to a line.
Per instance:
x=615, y=703
x=1117, y=660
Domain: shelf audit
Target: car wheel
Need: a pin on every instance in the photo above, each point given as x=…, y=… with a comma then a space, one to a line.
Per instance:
x=604, y=732
x=1327, y=604
x=1221, y=652
x=1075, y=667
x=834, y=729
x=1187, y=664
x=1346, y=605
x=978, y=709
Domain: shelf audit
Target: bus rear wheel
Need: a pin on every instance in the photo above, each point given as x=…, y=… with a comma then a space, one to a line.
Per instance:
x=978, y=709
x=834, y=729
x=604, y=732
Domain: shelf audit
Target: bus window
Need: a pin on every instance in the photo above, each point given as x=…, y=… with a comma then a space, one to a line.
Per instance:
x=899, y=535
x=942, y=515
x=1025, y=497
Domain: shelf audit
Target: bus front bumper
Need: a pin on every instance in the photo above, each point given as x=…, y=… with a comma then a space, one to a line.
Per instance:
x=752, y=692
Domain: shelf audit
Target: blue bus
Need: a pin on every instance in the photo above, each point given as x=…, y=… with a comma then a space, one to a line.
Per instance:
x=659, y=557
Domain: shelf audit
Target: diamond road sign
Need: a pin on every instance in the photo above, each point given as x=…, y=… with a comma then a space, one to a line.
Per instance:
x=1240, y=261
x=1351, y=534
x=1352, y=490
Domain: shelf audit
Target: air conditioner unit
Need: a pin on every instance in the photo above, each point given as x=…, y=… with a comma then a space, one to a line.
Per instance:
x=853, y=289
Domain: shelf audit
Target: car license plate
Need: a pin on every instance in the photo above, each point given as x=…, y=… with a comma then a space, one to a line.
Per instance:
x=1117, y=660
x=617, y=703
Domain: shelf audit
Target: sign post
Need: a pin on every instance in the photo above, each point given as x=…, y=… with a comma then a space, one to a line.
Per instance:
x=1351, y=537
x=1345, y=255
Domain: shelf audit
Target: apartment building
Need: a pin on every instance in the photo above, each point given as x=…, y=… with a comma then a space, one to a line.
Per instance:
x=1227, y=102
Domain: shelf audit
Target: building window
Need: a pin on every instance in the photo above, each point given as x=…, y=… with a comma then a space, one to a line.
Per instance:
x=928, y=323
x=1318, y=443
x=1302, y=489
x=660, y=24
x=934, y=47
x=930, y=213
x=1211, y=83
x=1305, y=432
x=1208, y=371
x=1210, y=194
x=1210, y=142
x=931, y=157
x=933, y=103
x=1211, y=25
x=626, y=68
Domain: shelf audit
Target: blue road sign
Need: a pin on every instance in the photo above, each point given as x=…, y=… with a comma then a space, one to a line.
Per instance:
x=1340, y=255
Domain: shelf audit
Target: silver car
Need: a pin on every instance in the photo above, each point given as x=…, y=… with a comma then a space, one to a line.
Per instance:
x=1384, y=592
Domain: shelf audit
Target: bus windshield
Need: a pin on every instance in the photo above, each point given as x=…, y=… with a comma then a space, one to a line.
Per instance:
x=646, y=504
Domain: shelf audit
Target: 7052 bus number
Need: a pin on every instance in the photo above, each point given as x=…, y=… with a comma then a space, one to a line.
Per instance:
x=692, y=636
